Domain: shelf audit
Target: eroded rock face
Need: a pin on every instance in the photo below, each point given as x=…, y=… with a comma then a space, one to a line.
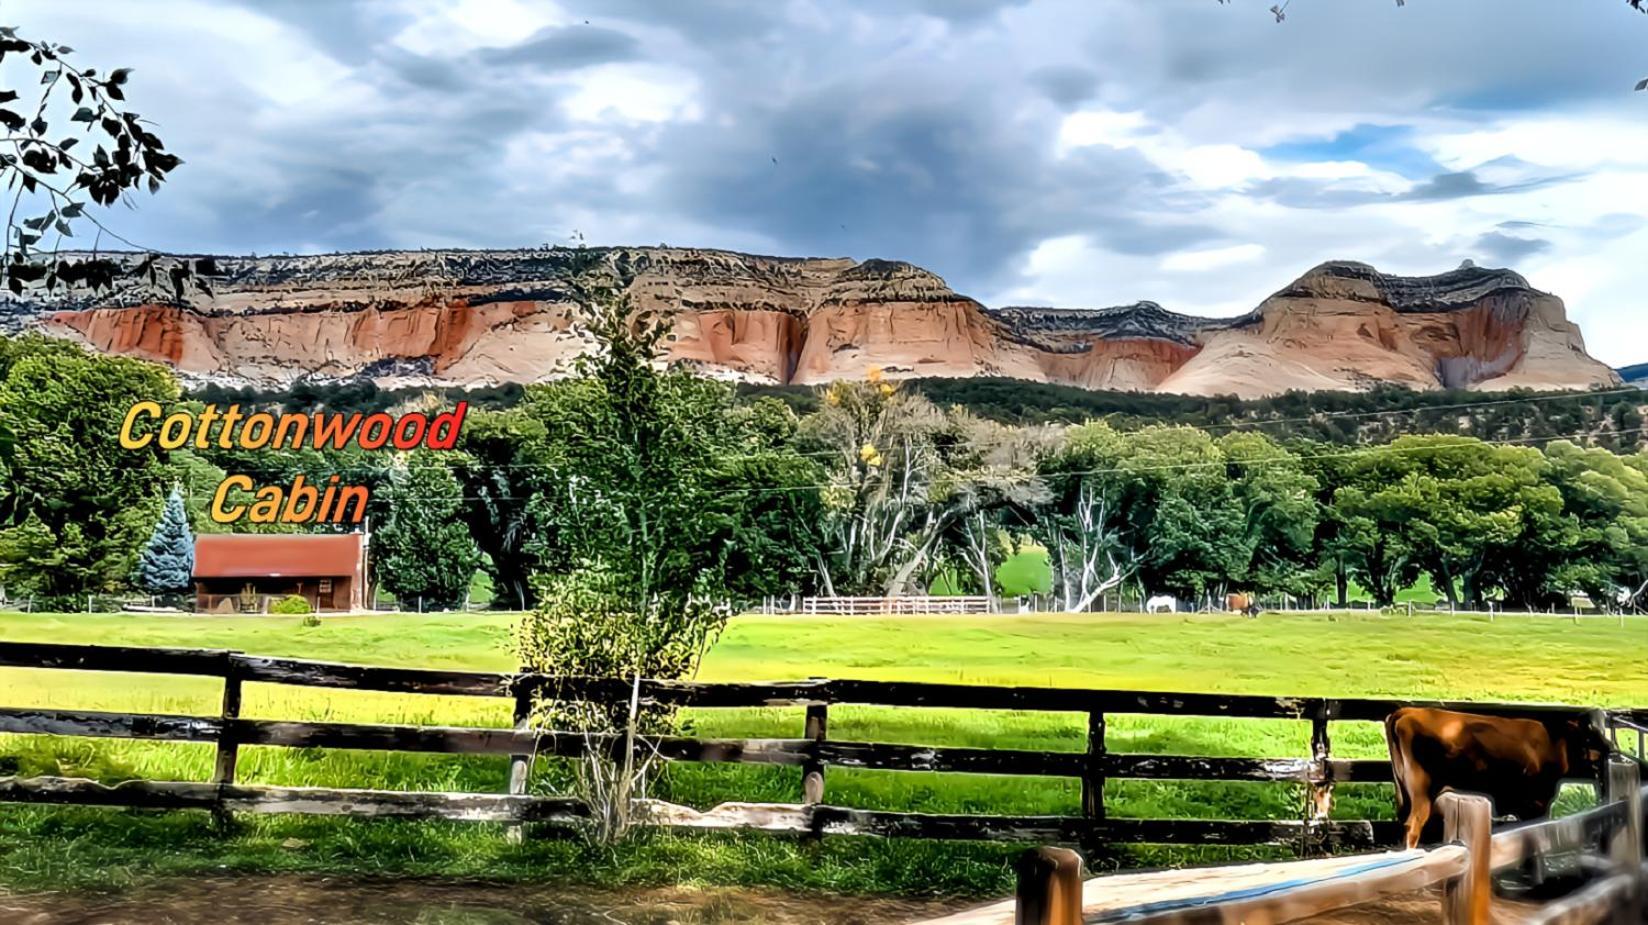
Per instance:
x=474, y=318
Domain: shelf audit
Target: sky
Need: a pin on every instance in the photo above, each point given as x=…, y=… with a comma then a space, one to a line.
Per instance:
x=1075, y=153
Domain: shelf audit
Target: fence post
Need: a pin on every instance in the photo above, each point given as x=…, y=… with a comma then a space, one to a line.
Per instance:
x=812, y=772
x=1092, y=783
x=1468, y=820
x=1049, y=887
x=1625, y=784
x=228, y=748
x=1321, y=782
x=520, y=766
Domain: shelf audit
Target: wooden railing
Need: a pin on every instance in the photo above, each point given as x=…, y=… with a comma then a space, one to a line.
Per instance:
x=814, y=752
x=1609, y=838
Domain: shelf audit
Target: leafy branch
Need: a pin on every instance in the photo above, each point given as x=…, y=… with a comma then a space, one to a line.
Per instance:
x=54, y=172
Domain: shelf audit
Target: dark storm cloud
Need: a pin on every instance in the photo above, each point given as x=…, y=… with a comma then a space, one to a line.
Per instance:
x=560, y=48
x=1066, y=85
x=1299, y=193
x=934, y=184
x=1500, y=249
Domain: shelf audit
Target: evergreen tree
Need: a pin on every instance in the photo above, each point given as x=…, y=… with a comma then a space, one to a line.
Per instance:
x=424, y=550
x=168, y=561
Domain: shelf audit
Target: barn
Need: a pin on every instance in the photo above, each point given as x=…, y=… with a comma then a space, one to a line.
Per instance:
x=249, y=572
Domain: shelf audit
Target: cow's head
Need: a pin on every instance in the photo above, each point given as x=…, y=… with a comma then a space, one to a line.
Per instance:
x=1586, y=745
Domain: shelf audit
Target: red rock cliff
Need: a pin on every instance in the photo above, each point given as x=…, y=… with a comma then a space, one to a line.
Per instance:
x=483, y=318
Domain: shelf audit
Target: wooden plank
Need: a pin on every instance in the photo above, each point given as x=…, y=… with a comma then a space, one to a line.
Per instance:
x=839, y=820
x=1596, y=903
x=1301, y=898
x=1095, y=769
x=371, y=677
x=1049, y=890
x=1511, y=846
x=1190, y=767
x=144, y=659
x=890, y=693
x=1375, y=710
x=1625, y=846
x=1321, y=782
x=228, y=750
x=469, y=807
x=1468, y=820
x=520, y=763
x=99, y=724
x=815, y=730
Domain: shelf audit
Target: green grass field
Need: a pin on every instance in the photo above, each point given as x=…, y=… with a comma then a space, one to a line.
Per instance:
x=1593, y=661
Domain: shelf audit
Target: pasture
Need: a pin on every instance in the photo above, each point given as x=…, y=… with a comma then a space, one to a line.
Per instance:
x=1594, y=661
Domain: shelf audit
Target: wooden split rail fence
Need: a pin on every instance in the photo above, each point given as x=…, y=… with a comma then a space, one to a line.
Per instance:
x=1606, y=841
x=814, y=752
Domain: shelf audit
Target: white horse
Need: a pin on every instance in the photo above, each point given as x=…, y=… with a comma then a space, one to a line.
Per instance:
x=1162, y=603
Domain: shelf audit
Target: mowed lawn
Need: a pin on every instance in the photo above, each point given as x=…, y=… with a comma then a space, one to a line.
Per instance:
x=1594, y=661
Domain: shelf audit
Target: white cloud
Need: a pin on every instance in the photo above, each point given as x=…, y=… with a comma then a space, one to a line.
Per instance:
x=447, y=28
x=633, y=93
x=1212, y=258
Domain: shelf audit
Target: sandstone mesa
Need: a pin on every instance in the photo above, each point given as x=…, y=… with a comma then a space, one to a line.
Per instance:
x=476, y=318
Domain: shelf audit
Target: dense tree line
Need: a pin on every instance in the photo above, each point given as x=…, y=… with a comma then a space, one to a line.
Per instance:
x=874, y=487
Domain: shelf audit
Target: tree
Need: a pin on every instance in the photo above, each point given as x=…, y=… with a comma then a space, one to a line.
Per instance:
x=423, y=551
x=68, y=477
x=168, y=562
x=1280, y=514
x=505, y=468
x=1606, y=495
x=105, y=152
x=631, y=505
x=1088, y=526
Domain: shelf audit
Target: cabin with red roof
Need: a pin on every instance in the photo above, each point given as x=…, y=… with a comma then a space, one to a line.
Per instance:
x=249, y=572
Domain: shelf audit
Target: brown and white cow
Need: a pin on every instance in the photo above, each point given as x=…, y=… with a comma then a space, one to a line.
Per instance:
x=1519, y=763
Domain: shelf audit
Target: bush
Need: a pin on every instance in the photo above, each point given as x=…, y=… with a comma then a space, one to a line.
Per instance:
x=291, y=604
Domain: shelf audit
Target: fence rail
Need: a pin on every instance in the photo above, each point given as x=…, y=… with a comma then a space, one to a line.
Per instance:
x=814, y=751
x=1609, y=838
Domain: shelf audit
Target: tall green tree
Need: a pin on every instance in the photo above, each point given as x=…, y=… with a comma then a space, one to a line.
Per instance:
x=68, y=477
x=633, y=505
x=423, y=551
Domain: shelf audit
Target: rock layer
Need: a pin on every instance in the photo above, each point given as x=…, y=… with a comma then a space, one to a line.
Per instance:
x=472, y=318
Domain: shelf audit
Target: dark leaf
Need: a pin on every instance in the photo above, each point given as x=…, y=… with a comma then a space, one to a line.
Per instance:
x=7, y=96
x=84, y=114
x=118, y=75
x=64, y=229
x=11, y=120
x=73, y=210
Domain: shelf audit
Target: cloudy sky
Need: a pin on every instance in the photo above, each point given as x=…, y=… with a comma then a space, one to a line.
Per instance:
x=1064, y=152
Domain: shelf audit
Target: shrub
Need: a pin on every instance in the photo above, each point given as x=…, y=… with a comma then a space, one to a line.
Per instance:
x=291, y=604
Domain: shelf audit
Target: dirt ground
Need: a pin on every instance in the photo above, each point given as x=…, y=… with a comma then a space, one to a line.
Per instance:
x=291, y=900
